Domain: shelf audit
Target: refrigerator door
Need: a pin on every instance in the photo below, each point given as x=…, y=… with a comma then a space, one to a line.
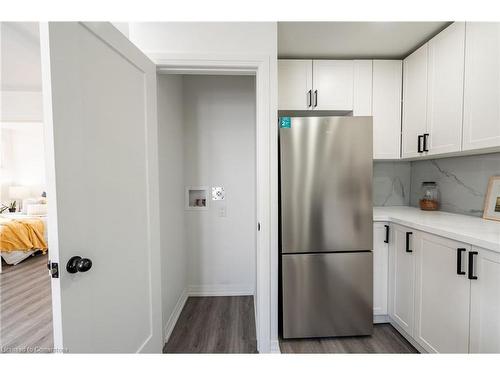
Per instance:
x=326, y=184
x=327, y=294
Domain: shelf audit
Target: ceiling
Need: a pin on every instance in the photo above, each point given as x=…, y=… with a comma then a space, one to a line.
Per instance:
x=20, y=56
x=350, y=40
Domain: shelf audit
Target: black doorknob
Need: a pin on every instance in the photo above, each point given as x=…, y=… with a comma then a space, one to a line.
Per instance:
x=78, y=264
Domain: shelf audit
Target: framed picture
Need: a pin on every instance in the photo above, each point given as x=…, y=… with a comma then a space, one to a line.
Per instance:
x=492, y=201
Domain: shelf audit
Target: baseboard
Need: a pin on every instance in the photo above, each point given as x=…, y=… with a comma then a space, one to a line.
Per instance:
x=220, y=290
x=410, y=339
x=169, y=327
x=275, y=347
x=378, y=319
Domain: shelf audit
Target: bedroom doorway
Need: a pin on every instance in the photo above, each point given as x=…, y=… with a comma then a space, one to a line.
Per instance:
x=25, y=283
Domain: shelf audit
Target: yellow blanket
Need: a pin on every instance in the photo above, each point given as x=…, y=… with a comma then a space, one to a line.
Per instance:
x=22, y=235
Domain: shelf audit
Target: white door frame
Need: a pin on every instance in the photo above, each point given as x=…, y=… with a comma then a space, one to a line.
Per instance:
x=266, y=167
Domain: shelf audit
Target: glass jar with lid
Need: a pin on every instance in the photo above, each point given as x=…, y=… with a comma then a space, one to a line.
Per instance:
x=429, y=200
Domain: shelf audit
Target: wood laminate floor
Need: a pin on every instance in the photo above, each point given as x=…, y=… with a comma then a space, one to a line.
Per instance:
x=385, y=339
x=215, y=325
x=26, y=305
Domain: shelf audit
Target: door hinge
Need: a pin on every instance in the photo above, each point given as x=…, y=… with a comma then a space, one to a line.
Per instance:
x=53, y=269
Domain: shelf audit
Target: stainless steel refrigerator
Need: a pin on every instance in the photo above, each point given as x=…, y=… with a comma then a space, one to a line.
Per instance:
x=326, y=225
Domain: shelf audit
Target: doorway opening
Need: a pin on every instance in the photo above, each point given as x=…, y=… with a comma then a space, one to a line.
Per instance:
x=25, y=283
x=207, y=173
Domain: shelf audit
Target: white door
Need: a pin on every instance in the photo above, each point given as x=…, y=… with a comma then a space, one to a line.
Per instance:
x=362, y=94
x=414, y=102
x=402, y=276
x=333, y=82
x=100, y=115
x=445, y=90
x=380, y=267
x=387, y=86
x=442, y=292
x=482, y=86
x=295, y=84
x=485, y=302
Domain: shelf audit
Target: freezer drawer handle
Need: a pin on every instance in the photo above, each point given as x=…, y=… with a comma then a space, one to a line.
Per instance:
x=471, y=265
x=408, y=234
x=459, y=261
x=386, y=234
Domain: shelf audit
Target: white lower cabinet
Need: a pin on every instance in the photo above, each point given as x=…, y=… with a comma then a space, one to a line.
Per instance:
x=380, y=268
x=442, y=291
x=485, y=302
x=402, y=277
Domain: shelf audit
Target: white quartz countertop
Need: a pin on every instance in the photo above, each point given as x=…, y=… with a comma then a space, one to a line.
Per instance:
x=467, y=229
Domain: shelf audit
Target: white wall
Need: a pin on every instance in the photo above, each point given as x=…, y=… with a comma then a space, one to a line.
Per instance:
x=205, y=37
x=171, y=177
x=22, y=159
x=219, y=117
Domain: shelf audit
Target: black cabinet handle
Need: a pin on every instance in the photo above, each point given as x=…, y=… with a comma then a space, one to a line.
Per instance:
x=408, y=234
x=471, y=265
x=459, y=261
x=309, y=98
x=426, y=135
x=386, y=234
x=419, y=144
x=315, y=98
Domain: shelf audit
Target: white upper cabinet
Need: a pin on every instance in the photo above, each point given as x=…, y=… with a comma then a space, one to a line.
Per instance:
x=386, y=108
x=441, y=294
x=414, y=102
x=482, y=86
x=294, y=84
x=485, y=302
x=363, y=73
x=333, y=85
x=445, y=90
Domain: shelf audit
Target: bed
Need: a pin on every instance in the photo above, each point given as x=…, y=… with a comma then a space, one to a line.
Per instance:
x=13, y=257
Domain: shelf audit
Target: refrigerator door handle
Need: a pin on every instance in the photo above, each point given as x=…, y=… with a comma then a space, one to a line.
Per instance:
x=309, y=98
x=315, y=98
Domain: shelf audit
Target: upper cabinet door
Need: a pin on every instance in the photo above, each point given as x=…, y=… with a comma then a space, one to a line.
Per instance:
x=333, y=82
x=294, y=84
x=482, y=86
x=414, y=101
x=445, y=90
x=485, y=303
x=387, y=86
x=363, y=73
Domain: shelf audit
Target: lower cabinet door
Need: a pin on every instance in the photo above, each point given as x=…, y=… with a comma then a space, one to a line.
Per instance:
x=442, y=291
x=380, y=265
x=485, y=302
x=402, y=276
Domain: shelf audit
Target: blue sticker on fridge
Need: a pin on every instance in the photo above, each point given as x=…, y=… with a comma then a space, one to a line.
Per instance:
x=285, y=122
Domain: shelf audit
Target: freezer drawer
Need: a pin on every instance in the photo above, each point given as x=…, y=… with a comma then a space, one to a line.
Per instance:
x=329, y=294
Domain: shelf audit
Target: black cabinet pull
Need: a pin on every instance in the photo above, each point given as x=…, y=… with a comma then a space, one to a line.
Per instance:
x=309, y=98
x=426, y=135
x=386, y=234
x=459, y=261
x=471, y=265
x=315, y=98
x=408, y=242
x=419, y=144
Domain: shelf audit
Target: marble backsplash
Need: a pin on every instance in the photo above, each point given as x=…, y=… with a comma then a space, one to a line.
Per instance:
x=462, y=181
x=391, y=183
